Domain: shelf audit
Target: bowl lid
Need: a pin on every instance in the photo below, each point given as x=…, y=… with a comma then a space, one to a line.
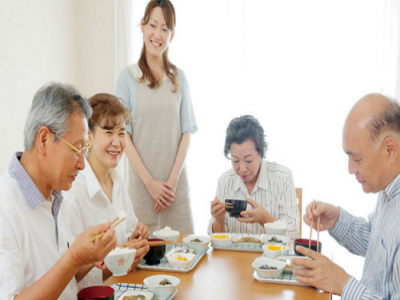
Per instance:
x=96, y=292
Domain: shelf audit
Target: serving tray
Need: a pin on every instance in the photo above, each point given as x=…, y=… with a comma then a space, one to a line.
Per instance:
x=245, y=247
x=284, y=278
x=121, y=288
x=165, y=266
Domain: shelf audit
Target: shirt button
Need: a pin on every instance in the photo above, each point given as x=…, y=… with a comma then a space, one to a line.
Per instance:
x=48, y=204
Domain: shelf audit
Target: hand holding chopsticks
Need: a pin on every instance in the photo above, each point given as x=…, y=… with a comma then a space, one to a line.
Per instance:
x=114, y=224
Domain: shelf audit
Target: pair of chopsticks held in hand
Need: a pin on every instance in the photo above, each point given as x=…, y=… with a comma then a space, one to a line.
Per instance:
x=312, y=224
x=225, y=204
x=114, y=224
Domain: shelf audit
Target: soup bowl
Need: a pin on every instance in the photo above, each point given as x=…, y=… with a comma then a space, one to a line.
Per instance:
x=237, y=207
x=304, y=243
x=155, y=254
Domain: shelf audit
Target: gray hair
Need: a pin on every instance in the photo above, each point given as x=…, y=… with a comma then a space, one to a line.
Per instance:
x=52, y=106
x=243, y=128
x=387, y=120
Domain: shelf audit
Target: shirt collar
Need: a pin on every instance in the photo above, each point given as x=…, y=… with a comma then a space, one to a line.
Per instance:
x=32, y=194
x=93, y=183
x=393, y=188
x=262, y=180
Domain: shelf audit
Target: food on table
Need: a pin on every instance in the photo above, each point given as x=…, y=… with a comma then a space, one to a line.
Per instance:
x=136, y=297
x=165, y=281
x=220, y=236
x=277, y=224
x=166, y=231
x=266, y=267
x=248, y=239
x=181, y=258
x=275, y=248
x=289, y=266
x=196, y=240
x=274, y=239
x=119, y=250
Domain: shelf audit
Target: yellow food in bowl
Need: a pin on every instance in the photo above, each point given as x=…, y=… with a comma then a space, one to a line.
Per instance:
x=181, y=258
x=275, y=248
x=220, y=236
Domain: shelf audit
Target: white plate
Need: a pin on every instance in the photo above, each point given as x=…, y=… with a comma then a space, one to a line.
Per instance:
x=148, y=295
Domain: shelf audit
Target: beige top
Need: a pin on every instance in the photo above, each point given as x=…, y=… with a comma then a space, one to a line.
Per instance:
x=156, y=134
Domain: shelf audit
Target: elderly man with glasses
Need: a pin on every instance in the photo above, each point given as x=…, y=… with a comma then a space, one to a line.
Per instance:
x=38, y=258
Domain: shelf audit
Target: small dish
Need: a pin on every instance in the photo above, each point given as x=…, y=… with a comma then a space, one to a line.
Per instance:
x=237, y=207
x=276, y=228
x=304, y=243
x=181, y=260
x=273, y=251
x=265, y=261
x=197, y=242
x=179, y=250
x=153, y=284
x=130, y=294
x=221, y=239
x=120, y=260
x=275, y=239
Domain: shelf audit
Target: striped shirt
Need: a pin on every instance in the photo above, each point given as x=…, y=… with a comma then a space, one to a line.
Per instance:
x=274, y=190
x=377, y=239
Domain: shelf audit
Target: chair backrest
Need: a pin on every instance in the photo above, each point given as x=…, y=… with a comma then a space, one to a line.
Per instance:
x=299, y=196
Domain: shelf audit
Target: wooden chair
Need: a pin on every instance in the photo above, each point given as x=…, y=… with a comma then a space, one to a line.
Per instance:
x=299, y=196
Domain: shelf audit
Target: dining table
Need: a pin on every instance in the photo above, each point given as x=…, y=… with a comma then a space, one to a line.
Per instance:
x=222, y=274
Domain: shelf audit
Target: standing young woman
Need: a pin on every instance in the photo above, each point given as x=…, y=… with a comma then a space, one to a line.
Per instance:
x=163, y=120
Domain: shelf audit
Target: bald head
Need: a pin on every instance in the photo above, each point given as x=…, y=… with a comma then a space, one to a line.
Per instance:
x=371, y=139
x=376, y=114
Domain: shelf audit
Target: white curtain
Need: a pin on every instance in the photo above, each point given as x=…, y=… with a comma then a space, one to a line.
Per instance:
x=298, y=66
x=391, y=44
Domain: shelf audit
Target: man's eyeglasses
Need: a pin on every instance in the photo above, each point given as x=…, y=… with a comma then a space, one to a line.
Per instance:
x=78, y=153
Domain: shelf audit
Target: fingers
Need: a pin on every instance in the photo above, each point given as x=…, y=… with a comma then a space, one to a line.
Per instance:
x=168, y=191
x=308, y=252
x=168, y=186
x=250, y=201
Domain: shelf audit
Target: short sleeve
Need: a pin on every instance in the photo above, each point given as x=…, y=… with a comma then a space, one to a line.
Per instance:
x=188, y=121
x=126, y=90
x=12, y=275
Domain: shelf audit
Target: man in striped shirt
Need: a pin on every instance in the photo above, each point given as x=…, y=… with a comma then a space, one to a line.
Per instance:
x=371, y=139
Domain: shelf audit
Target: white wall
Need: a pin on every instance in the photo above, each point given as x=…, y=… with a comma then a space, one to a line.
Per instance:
x=42, y=41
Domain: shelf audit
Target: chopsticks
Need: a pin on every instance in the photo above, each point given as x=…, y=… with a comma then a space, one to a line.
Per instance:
x=100, y=235
x=160, y=243
x=156, y=243
x=228, y=205
x=312, y=224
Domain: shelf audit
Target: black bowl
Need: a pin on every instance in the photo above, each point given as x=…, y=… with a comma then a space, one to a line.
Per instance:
x=96, y=292
x=304, y=243
x=238, y=206
x=155, y=254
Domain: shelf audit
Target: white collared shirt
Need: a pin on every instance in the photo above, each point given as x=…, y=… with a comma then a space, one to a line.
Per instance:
x=87, y=205
x=274, y=190
x=29, y=224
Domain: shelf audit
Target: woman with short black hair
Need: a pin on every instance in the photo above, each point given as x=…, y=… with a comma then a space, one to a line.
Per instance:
x=267, y=187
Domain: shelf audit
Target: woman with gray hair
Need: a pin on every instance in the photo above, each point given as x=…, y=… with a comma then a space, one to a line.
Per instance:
x=267, y=187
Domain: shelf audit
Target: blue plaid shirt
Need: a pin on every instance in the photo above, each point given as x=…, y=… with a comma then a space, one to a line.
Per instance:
x=32, y=194
x=378, y=239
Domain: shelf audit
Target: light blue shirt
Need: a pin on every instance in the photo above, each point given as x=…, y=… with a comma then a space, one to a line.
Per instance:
x=126, y=89
x=378, y=240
